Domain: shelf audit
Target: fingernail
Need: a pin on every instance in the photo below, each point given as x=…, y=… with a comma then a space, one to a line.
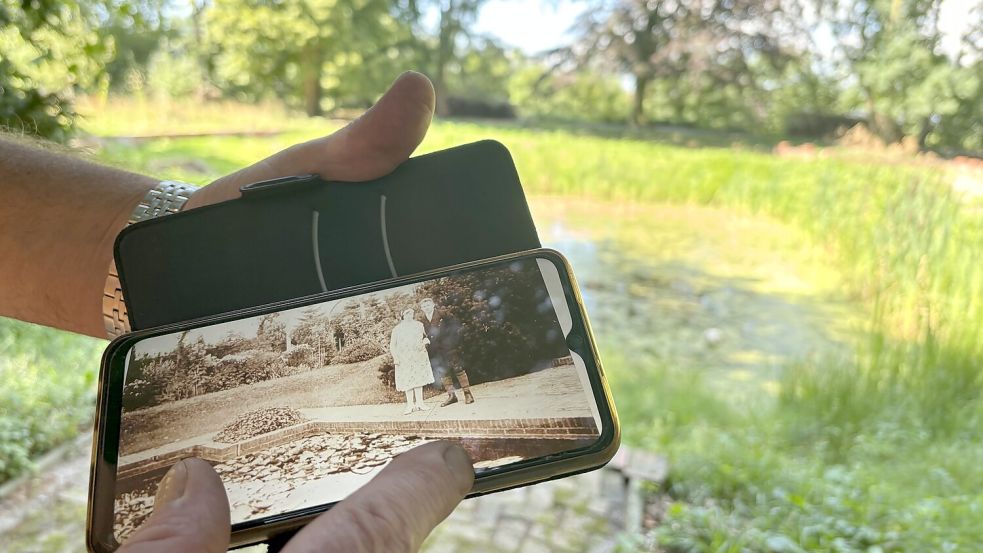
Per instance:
x=173, y=485
x=459, y=462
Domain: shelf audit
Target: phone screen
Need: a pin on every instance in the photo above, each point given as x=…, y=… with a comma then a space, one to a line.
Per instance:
x=298, y=408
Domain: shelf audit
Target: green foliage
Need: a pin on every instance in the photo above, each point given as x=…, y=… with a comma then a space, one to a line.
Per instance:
x=903, y=80
x=46, y=54
x=453, y=26
x=138, y=30
x=298, y=50
x=709, y=50
x=47, y=391
x=539, y=94
x=482, y=72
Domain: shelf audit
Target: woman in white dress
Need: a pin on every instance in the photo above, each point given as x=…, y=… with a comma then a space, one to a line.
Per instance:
x=408, y=346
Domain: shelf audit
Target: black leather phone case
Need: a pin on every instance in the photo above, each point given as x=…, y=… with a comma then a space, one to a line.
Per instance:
x=297, y=236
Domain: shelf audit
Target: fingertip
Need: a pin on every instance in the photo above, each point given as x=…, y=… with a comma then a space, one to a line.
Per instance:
x=461, y=466
x=416, y=86
x=399, y=507
x=201, y=473
x=430, y=456
x=193, y=514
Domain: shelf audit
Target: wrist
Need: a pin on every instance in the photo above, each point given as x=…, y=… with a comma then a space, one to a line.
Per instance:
x=164, y=198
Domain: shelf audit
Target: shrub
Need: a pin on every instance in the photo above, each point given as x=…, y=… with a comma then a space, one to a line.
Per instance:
x=362, y=350
x=300, y=356
x=47, y=391
x=247, y=367
x=255, y=423
x=139, y=392
x=387, y=372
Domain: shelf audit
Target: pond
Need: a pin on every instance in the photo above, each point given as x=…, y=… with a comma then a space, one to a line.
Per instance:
x=730, y=296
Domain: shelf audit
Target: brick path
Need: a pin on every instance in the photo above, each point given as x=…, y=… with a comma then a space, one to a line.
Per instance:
x=590, y=513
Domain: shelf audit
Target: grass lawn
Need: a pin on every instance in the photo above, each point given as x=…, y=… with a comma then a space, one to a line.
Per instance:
x=181, y=420
x=873, y=446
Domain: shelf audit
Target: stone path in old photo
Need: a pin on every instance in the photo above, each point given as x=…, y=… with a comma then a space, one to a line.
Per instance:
x=587, y=513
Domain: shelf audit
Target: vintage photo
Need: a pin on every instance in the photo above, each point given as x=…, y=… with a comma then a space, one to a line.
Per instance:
x=301, y=407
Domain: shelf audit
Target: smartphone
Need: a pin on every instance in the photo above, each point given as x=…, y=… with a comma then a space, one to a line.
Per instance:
x=297, y=404
x=297, y=236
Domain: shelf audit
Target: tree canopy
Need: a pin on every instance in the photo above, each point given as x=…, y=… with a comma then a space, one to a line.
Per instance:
x=783, y=66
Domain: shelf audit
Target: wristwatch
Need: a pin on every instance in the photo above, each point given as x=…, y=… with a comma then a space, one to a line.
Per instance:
x=167, y=197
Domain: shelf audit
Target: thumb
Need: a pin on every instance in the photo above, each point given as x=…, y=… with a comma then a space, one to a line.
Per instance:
x=369, y=147
x=191, y=513
x=396, y=511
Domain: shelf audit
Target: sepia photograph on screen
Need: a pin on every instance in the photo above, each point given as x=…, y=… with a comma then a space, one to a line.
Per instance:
x=301, y=407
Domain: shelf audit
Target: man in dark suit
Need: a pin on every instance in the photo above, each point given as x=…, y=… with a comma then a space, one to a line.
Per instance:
x=444, y=333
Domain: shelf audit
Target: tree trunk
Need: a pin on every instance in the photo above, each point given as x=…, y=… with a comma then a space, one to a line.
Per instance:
x=926, y=129
x=445, y=51
x=203, y=61
x=311, y=68
x=882, y=125
x=638, y=109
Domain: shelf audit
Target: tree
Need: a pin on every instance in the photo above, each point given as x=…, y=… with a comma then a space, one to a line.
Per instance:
x=440, y=54
x=271, y=334
x=48, y=50
x=295, y=49
x=907, y=86
x=508, y=324
x=711, y=42
x=481, y=72
x=541, y=93
x=455, y=18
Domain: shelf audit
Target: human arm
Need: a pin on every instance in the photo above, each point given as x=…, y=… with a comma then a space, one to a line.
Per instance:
x=59, y=215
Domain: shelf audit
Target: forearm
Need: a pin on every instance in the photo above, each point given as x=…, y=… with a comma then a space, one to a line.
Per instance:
x=59, y=217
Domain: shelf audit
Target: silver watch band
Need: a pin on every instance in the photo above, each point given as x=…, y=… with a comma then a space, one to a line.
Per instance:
x=165, y=198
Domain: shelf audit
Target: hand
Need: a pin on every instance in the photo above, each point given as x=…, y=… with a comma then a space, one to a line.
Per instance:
x=367, y=148
x=59, y=215
x=426, y=341
x=394, y=512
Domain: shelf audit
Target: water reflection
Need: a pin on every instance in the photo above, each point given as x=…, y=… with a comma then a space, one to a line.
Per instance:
x=735, y=299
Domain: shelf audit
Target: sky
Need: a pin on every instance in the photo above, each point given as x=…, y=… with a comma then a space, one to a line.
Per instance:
x=531, y=25
x=248, y=327
x=537, y=25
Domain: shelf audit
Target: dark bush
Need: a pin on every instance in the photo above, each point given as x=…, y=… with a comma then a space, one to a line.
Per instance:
x=508, y=325
x=247, y=367
x=362, y=350
x=299, y=356
x=485, y=109
x=818, y=125
x=387, y=372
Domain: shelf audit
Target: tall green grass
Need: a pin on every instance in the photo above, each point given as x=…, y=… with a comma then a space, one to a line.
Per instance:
x=908, y=249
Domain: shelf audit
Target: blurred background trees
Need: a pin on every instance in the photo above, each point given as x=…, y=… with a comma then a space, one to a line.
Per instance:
x=791, y=67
